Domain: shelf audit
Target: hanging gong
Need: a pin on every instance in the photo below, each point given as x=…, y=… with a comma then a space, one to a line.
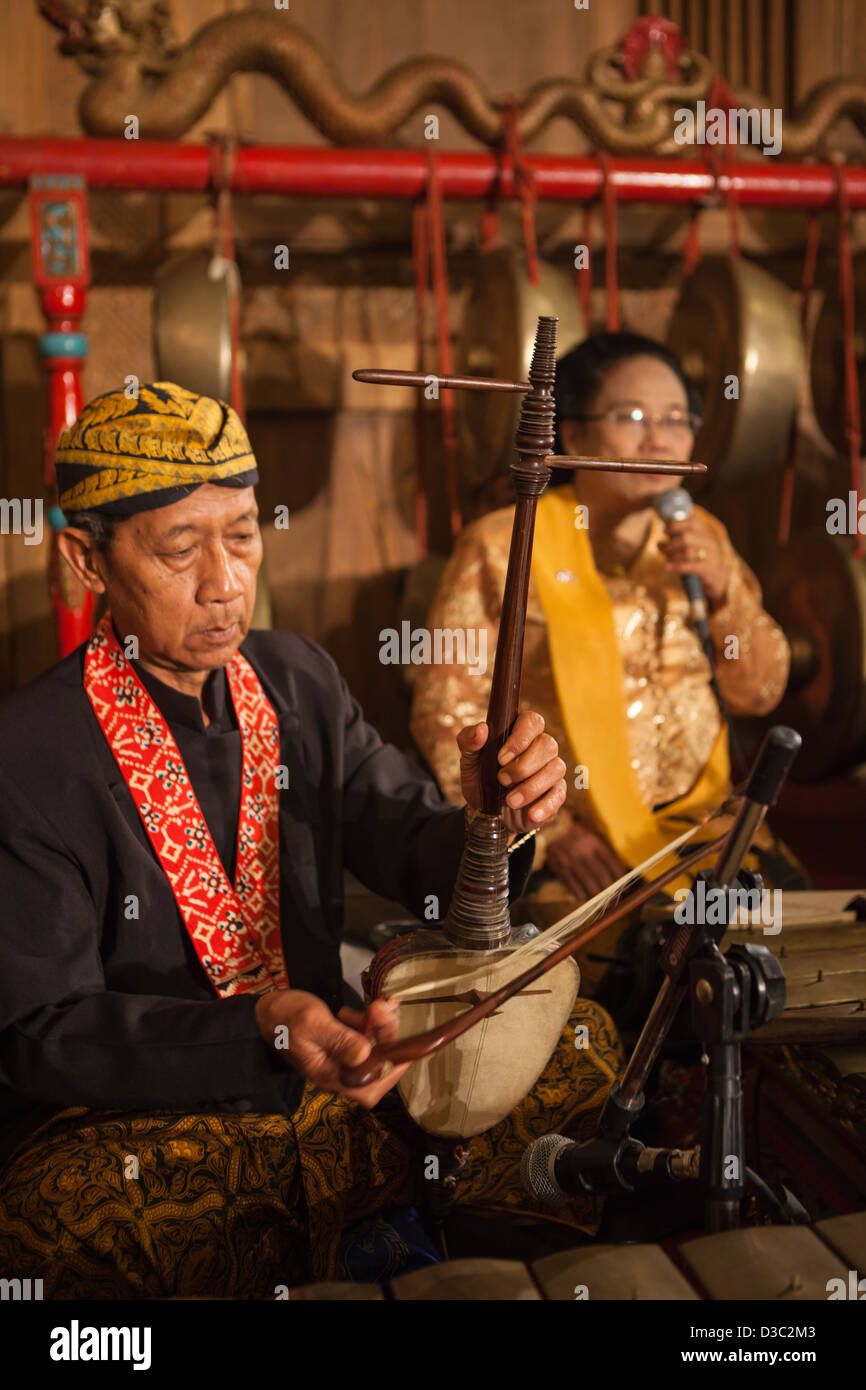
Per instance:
x=734, y=320
x=827, y=370
x=499, y=329
x=815, y=588
x=191, y=328
x=192, y=345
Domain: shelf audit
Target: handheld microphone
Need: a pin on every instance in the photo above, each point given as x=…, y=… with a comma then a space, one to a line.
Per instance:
x=676, y=505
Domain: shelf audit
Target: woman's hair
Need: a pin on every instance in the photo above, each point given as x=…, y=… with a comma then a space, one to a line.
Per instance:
x=580, y=373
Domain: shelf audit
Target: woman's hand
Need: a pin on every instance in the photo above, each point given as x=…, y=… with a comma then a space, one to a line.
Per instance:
x=303, y=1030
x=531, y=770
x=583, y=861
x=692, y=548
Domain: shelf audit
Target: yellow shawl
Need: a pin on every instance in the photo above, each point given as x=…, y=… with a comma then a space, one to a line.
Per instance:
x=589, y=678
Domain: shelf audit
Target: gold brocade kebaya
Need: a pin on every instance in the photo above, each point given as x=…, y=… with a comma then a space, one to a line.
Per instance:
x=673, y=718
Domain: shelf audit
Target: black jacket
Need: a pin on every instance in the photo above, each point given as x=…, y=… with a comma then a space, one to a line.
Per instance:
x=105, y=1008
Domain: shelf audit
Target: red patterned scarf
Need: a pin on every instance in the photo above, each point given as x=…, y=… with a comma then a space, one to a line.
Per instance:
x=235, y=928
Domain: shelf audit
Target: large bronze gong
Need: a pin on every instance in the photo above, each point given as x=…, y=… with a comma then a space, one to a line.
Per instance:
x=192, y=342
x=733, y=319
x=828, y=360
x=498, y=332
x=192, y=345
x=816, y=590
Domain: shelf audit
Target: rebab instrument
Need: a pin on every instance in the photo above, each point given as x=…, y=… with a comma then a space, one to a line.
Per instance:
x=468, y=1077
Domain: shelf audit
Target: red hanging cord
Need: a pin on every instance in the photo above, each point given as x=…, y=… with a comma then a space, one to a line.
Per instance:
x=420, y=258
x=721, y=97
x=852, y=390
x=490, y=215
x=729, y=194
x=608, y=201
x=524, y=183
x=692, y=243
x=489, y=229
x=807, y=281
x=436, y=233
x=584, y=272
x=222, y=159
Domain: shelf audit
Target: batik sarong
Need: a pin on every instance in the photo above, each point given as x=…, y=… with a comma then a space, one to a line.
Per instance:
x=121, y=1205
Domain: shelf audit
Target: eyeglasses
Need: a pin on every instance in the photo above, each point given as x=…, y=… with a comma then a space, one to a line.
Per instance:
x=675, y=422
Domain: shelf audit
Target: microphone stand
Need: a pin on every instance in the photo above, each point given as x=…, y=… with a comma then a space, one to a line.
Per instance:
x=730, y=995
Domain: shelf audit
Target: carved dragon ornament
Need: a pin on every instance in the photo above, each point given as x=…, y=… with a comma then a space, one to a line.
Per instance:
x=624, y=105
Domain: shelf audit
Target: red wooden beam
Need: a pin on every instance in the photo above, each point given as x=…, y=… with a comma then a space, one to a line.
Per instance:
x=168, y=166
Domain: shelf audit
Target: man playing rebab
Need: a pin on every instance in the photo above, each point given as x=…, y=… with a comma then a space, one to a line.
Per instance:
x=179, y=801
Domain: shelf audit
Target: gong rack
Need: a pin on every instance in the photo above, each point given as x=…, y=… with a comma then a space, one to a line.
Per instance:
x=59, y=172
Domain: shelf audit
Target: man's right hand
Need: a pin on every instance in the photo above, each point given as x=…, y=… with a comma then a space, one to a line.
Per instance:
x=583, y=861
x=319, y=1045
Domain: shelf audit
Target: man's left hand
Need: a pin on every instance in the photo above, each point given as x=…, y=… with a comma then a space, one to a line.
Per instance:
x=531, y=772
